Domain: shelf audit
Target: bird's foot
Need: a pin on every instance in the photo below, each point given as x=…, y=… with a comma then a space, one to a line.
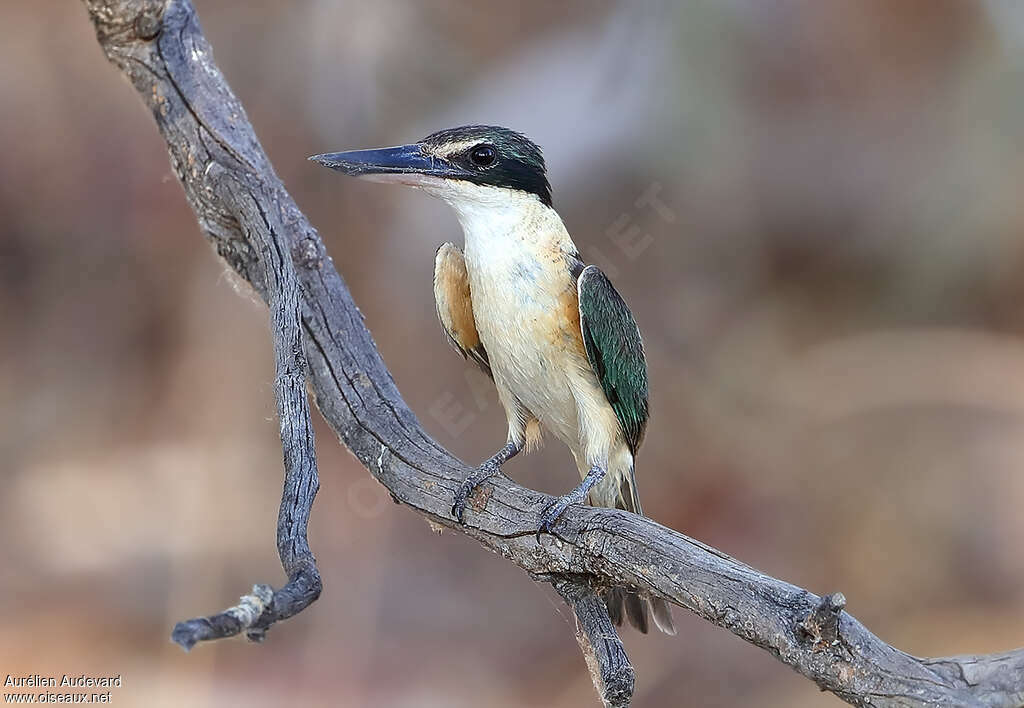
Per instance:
x=474, y=480
x=488, y=469
x=554, y=510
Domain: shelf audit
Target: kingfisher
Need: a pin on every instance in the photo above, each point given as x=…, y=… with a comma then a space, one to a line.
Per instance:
x=552, y=333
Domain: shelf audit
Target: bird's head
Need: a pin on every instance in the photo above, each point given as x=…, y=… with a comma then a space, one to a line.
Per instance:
x=471, y=165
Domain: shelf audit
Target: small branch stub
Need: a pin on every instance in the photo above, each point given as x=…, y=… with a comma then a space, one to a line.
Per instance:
x=148, y=23
x=821, y=626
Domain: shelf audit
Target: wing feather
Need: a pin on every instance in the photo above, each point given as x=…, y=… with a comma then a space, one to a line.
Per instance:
x=454, y=307
x=615, y=350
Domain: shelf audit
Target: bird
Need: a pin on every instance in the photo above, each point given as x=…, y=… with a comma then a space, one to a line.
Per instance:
x=558, y=341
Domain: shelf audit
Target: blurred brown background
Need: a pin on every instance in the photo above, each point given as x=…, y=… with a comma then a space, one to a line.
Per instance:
x=830, y=288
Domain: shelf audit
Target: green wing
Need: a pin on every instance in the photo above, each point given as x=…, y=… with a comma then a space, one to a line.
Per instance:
x=616, y=353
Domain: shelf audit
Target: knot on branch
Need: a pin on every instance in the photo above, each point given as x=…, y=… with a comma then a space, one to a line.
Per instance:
x=821, y=626
x=149, y=22
x=307, y=253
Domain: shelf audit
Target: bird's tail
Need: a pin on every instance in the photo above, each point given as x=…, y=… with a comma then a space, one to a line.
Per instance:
x=620, y=493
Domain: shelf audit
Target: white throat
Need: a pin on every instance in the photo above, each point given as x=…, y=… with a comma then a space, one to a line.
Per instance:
x=500, y=219
x=494, y=220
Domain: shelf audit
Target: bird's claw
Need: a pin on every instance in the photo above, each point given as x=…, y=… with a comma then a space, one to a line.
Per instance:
x=549, y=517
x=468, y=486
x=459, y=507
x=553, y=511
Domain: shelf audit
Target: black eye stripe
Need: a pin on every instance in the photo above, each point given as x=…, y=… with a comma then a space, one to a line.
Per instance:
x=518, y=162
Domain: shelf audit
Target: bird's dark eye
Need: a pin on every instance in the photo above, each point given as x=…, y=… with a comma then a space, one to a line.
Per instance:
x=483, y=156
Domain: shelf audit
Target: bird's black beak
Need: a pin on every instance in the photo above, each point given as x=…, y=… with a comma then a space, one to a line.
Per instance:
x=404, y=159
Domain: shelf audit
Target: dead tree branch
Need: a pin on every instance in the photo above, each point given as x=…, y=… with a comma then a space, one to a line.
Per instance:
x=603, y=651
x=257, y=612
x=244, y=210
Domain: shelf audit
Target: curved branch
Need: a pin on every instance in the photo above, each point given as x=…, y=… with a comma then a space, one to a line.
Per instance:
x=265, y=606
x=161, y=49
